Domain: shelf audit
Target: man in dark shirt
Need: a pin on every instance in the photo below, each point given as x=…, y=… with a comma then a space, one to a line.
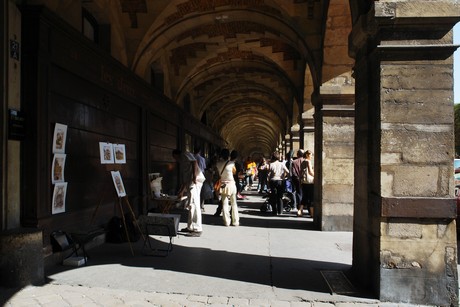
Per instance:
x=296, y=175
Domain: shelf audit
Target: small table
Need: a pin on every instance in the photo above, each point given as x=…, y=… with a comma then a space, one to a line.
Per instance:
x=158, y=224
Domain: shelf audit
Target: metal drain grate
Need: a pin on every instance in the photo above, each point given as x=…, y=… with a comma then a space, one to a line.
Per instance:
x=338, y=283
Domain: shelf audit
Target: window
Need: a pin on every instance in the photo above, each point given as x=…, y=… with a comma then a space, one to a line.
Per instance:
x=89, y=26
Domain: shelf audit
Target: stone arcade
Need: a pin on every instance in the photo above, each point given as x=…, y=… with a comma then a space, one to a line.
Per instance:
x=367, y=85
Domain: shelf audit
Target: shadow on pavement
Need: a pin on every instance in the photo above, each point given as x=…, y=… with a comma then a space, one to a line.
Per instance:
x=200, y=259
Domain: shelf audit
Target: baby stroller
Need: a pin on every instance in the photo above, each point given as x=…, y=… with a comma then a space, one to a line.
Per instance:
x=289, y=201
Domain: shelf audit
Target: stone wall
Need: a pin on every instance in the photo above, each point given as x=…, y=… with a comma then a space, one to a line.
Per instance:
x=404, y=231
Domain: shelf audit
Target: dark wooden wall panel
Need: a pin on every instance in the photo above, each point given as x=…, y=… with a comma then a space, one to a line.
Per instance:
x=69, y=80
x=162, y=139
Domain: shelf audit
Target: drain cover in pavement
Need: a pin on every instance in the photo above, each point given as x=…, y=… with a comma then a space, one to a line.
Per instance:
x=338, y=282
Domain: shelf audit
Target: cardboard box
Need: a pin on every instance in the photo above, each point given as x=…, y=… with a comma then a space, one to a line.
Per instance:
x=74, y=261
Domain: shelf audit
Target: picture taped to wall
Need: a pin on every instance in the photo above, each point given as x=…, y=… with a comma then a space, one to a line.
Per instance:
x=106, y=152
x=57, y=169
x=59, y=195
x=118, y=182
x=59, y=138
x=119, y=153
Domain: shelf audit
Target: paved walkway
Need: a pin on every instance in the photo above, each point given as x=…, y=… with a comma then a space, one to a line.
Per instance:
x=266, y=261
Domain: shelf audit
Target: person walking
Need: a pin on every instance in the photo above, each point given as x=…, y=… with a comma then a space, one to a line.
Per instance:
x=307, y=184
x=238, y=174
x=226, y=169
x=223, y=157
x=201, y=163
x=200, y=160
x=276, y=175
x=263, y=175
x=250, y=169
x=296, y=176
x=191, y=179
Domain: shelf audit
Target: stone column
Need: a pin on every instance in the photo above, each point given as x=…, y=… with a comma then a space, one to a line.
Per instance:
x=308, y=134
x=295, y=137
x=21, y=250
x=404, y=241
x=334, y=164
x=287, y=143
x=22, y=262
x=3, y=109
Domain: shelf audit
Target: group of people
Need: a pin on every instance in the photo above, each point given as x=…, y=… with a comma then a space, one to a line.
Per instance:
x=302, y=176
x=192, y=176
x=234, y=177
x=299, y=171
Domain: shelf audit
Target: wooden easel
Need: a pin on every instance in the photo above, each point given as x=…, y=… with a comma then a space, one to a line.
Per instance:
x=122, y=216
x=124, y=220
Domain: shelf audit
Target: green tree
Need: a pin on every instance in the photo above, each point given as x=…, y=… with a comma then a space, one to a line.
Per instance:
x=457, y=128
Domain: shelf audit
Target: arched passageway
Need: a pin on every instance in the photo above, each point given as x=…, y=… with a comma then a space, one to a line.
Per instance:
x=366, y=84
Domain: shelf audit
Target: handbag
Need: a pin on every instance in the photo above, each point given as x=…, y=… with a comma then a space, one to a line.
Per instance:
x=310, y=178
x=306, y=177
x=218, y=183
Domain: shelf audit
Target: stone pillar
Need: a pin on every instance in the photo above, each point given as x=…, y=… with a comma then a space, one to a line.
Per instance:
x=21, y=250
x=308, y=134
x=404, y=236
x=334, y=164
x=295, y=137
x=3, y=108
x=288, y=143
x=21, y=263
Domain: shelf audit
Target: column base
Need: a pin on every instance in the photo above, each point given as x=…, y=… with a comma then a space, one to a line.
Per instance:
x=22, y=262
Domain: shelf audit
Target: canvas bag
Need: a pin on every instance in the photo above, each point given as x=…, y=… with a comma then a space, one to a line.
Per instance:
x=306, y=177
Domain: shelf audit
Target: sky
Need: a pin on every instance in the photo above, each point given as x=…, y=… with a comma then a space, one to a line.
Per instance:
x=457, y=64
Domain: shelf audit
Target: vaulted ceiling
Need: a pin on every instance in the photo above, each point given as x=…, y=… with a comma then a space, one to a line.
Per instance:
x=247, y=68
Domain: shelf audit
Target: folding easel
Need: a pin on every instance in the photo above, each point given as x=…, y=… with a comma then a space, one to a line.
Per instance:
x=120, y=205
x=124, y=220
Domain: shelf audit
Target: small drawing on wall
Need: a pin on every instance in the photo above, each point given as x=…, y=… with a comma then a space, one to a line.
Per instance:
x=118, y=183
x=119, y=153
x=59, y=195
x=57, y=169
x=106, y=152
x=59, y=138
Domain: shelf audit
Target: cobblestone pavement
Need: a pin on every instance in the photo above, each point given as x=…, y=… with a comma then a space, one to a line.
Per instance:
x=266, y=261
x=65, y=295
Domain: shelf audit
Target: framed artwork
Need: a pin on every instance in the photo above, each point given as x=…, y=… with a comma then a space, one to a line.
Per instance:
x=59, y=195
x=106, y=153
x=118, y=183
x=57, y=169
x=119, y=153
x=59, y=138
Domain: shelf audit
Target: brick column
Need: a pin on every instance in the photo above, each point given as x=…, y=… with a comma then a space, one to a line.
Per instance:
x=404, y=241
x=333, y=160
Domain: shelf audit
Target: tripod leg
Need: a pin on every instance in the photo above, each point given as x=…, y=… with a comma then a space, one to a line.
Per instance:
x=134, y=218
x=126, y=229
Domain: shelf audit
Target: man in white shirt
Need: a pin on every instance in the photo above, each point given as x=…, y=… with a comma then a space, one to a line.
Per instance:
x=276, y=175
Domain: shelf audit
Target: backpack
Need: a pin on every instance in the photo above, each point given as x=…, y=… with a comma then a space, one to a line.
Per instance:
x=116, y=231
